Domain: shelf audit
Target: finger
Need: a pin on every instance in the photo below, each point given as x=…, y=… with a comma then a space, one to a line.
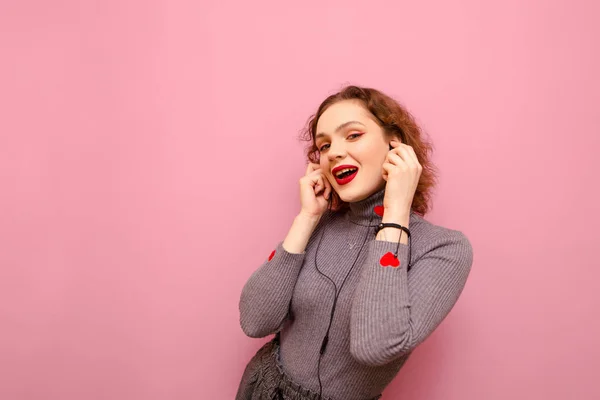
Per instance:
x=396, y=147
x=320, y=185
x=395, y=143
x=312, y=179
x=410, y=154
x=414, y=155
x=316, y=179
x=386, y=168
x=327, y=192
x=328, y=188
x=309, y=169
x=409, y=157
x=398, y=161
x=312, y=167
x=315, y=174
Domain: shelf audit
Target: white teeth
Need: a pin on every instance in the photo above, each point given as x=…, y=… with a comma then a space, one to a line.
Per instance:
x=344, y=170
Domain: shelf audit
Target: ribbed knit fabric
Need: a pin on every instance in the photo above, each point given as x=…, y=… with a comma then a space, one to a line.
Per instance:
x=382, y=312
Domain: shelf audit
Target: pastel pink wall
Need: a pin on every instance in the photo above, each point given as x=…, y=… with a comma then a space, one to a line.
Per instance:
x=149, y=163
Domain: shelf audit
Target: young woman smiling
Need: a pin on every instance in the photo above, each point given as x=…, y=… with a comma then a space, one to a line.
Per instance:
x=360, y=228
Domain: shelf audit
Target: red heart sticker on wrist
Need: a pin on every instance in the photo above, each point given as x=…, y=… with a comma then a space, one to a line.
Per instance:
x=390, y=260
x=378, y=210
x=272, y=255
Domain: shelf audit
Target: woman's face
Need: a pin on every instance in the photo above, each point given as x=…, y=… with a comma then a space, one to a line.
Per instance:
x=347, y=135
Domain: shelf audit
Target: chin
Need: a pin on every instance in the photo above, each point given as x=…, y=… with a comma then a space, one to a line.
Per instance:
x=351, y=195
x=359, y=192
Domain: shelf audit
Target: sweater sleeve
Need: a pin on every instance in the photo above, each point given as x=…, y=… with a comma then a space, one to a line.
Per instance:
x=394, y=310
x=264, y=302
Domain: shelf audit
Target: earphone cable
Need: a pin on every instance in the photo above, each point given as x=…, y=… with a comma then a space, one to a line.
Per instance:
x=326, y=338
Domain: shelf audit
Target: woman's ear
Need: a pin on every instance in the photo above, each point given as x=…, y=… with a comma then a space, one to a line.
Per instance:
x=391, y=148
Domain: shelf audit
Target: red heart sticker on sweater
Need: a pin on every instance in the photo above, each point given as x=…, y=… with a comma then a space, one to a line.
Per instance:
x=388, y=259
x=378, y=210
x=272, y=255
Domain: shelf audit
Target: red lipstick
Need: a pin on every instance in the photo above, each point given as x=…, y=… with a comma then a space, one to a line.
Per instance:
x=347, y=176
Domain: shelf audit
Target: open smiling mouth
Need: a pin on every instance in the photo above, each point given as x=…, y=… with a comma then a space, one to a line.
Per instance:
x=346, y=176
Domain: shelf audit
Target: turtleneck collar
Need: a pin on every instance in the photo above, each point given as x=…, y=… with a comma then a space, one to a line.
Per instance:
x=362, y=211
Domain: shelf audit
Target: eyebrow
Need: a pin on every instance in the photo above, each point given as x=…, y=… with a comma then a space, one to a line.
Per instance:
x=339, y=128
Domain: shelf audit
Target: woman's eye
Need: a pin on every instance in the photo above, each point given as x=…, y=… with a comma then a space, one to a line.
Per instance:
x=352, y=136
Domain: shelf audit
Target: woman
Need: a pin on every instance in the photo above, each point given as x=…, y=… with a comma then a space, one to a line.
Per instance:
x=368, y=166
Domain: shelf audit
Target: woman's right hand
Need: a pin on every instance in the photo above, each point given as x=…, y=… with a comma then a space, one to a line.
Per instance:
x=315, y=191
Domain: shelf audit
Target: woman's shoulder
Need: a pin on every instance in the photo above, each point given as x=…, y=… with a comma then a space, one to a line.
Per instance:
x=429, y=236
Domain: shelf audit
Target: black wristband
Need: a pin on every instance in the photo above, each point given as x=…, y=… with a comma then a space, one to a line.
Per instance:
x=392, y=225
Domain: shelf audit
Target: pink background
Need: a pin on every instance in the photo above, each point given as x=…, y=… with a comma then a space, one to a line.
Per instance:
x=149, y=163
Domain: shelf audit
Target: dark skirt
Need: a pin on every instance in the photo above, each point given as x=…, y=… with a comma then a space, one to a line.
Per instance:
x=265, y=379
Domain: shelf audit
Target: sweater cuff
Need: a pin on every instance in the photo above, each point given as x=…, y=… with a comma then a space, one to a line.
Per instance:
x=387, y=274
x=281, y=256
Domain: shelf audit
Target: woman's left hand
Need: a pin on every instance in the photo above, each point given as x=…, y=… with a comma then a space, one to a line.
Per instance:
x=401, y=171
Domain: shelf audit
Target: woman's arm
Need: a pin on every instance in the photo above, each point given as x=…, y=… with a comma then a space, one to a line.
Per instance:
x=393, y=311
x=266, y=296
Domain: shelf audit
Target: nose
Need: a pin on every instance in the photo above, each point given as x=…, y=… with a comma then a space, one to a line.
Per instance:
x=337, y=150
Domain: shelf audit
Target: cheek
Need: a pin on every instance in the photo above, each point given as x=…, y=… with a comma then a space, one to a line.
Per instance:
x=323, y=163
x=371, y=154
x=324, y=167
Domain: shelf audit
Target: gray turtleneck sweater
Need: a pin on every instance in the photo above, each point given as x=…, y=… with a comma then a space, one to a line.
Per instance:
x=382, y=313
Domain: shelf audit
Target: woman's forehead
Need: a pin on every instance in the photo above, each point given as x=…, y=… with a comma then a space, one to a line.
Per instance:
x=341, y=113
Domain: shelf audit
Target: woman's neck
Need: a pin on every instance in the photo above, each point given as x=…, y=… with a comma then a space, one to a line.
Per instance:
x=369, y=209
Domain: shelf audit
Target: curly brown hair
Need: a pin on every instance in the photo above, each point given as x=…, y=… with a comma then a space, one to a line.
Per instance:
x=396, y=121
